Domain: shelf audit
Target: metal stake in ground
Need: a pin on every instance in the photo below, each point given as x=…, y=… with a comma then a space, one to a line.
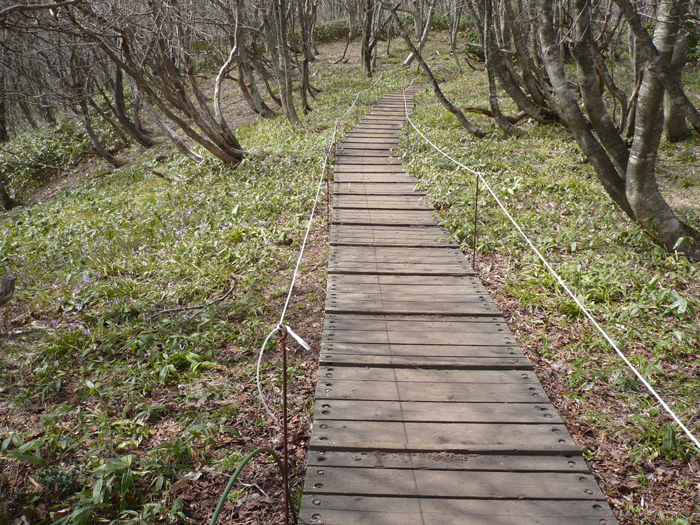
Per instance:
x=476, y=216
x=285, y=431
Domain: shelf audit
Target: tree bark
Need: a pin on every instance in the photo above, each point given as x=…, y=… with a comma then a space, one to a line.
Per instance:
x=675, y=124
x=120, y=111
x=6, y=201
x=503, y=123
x=94, y=138
x=651, y=210
x=608, y=176
x=656, y=65
x=592, y=99
x=433, y=82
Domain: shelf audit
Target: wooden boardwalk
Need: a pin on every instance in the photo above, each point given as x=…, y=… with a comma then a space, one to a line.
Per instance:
x=427, y=411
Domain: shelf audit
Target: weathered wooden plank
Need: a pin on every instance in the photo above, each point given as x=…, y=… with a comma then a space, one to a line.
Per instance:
x=383, y=217
x=427, y=375
x=454, y=484
x=359, y=188
x=420, y=338
x=373, y=178
x=398, y=202
x=392, y=254
x=336, y=324
x=406, y=280
x=362, y=510
x=476, y=438
x=401, y=307
x=387, y=298
x=432, y=361
x=389, y=251
x=459, y=462
x=426, y=412
x=358, y=162
x=410, y=290
x=438, y=392
x=385, y=146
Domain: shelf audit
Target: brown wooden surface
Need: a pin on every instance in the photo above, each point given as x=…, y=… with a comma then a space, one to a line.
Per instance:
x=427, y=411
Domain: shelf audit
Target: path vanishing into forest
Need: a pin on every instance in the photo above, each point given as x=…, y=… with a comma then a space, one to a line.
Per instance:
x=427, y=411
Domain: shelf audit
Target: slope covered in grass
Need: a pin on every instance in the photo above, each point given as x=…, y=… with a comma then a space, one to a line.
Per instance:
x=128, y=375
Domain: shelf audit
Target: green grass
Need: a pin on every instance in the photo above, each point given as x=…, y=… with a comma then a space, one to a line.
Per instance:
x=647, y=300
x=112, y=393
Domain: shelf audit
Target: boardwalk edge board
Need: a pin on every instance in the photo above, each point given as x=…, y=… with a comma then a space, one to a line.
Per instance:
x=427, y=411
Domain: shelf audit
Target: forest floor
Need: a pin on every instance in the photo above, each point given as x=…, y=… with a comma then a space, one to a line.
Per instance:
x=128, y=388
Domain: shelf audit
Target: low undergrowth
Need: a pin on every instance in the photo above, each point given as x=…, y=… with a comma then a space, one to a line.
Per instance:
x=648, y=301
x=128, y=376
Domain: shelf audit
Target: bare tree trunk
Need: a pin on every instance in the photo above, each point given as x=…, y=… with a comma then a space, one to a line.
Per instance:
x=6, y=201
x=4, y=135
x=505, y=78
x=179, y=143
x=503, y=123
x=650, y=208
x=675, y=124
x=277, y=41
x=120, y=111
x=524, y=58
x=433, y=82
x=94, y=138
x=656, y=65
x=252, y=88
x=611, y=180
x=366, y=51
x=423, y=36
x=593, y=101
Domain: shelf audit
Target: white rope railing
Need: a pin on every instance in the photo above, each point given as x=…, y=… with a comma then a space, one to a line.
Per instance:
x=280, y=324
x=561, y=282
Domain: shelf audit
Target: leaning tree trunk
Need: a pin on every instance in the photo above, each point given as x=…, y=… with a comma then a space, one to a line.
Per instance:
x=608, y=176
x=101, y=150
x=4, y=135
x=588, y=81
x=651, y=209
x=6, y=202
x=675, y=124
x=503, y=123
x=366, y=50
x=449, y=106
x=120, y=111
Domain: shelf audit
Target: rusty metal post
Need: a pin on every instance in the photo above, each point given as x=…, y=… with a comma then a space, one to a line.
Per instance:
x=285, y=430
x=476, y=216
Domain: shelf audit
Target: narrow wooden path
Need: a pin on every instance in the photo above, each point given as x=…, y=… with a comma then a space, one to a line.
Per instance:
x=427, y=412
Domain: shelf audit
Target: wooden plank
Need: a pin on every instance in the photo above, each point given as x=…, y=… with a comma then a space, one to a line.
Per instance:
x=454, y=484
x=369, y=168
x=376, y=144
x=378, y=201
x=368, y=163
x=420, y=338
x=401, y=307
x=383, y=217
x=363, y=510
x=436, y=412
x=468, y=438
x=438, y=392
x=336, y=324
x=387, y=298
x=406, y=280
x=459, y=462
x=373, y=178
x=356, y=188
x=439, y=291
x=432, y=361
x=328, y=375
x=392, y=252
